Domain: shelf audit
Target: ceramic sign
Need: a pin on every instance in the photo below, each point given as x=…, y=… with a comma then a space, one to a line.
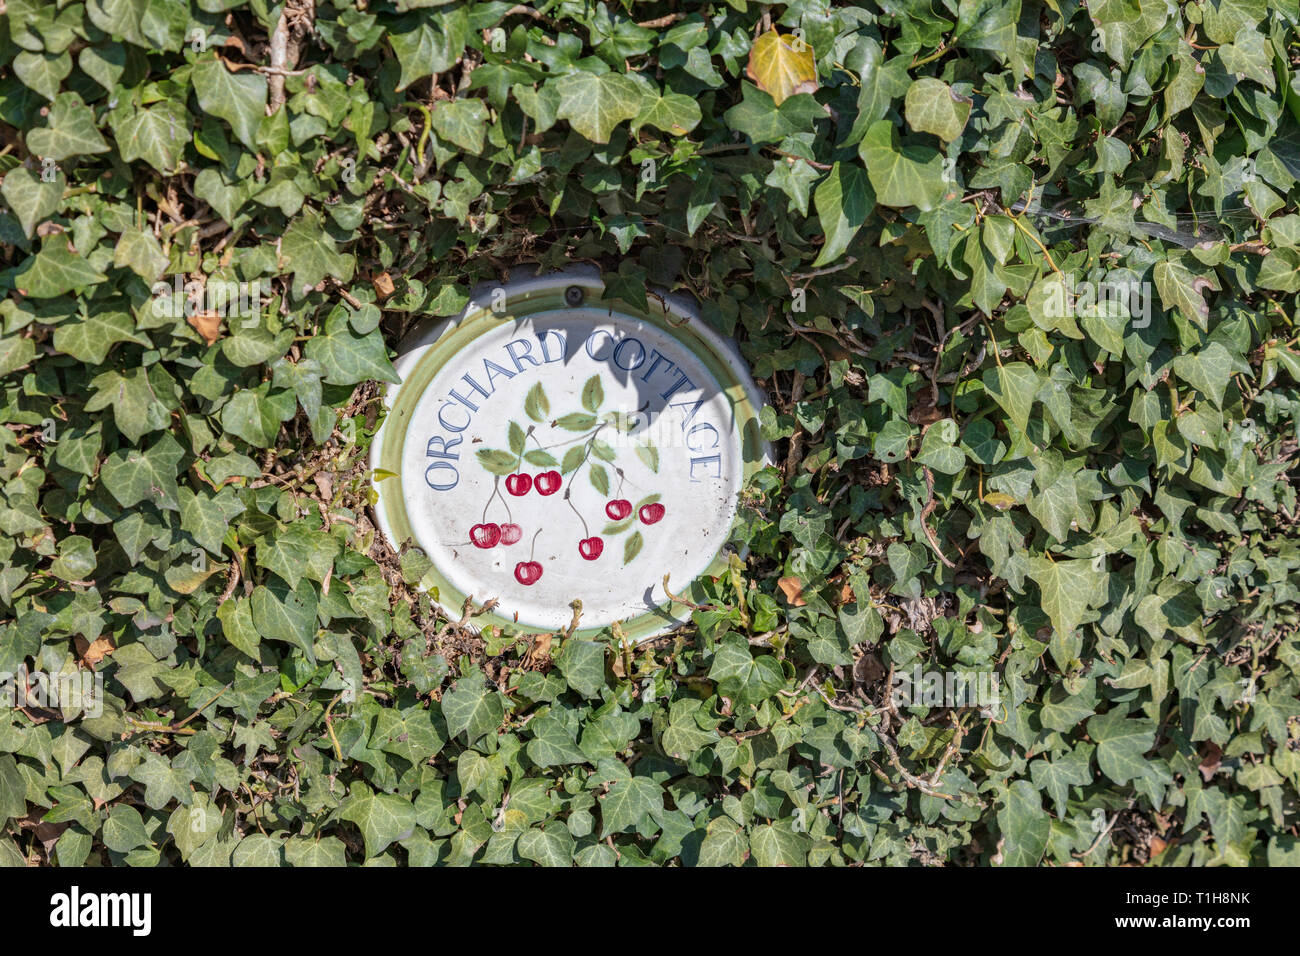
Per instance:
x=551, y=445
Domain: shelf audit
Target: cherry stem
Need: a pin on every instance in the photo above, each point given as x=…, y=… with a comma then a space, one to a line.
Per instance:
x=533, y=544
x=586, y=532
x=591, y=442
x=572, y=441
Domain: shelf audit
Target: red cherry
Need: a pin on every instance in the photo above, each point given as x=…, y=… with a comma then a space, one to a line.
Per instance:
x=547, y=483
x=519, y=485
x=527, y=572
x=590, y=548
x=618, y=509
x=651, y=513
x=485, y=535
x=510, y=533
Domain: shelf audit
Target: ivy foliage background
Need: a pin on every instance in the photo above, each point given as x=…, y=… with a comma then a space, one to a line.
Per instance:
x=880, y=201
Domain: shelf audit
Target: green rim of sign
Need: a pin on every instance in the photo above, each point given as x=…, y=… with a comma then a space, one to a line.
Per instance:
x=386, y=458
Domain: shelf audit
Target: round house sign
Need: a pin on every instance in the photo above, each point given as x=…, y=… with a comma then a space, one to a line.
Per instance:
x=551, y=444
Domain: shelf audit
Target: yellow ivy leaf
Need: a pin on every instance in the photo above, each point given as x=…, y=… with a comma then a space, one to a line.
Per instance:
x=782, y=65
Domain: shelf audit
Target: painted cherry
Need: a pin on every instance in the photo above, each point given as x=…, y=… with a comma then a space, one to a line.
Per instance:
x=651, y=513
x=519, y=484
x=527, y=572
x=510, y=533
x=485, y=535
x=618, y=509
x=548, y=482
x=590, y=548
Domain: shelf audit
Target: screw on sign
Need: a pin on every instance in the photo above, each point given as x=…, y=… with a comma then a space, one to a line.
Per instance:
x=553, y=445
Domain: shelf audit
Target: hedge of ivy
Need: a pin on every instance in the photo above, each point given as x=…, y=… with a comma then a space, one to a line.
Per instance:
x=1019, y=279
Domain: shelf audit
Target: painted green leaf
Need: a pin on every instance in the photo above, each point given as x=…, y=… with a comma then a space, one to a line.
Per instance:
x=593, y=394
x=536, y=404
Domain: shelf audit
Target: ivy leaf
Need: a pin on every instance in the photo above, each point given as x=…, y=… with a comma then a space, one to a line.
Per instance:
x=207, y=516
x=1057, y=775
x=674, y=113
x=1069, y=589
x=1182, y=290
x=32, y=199
x=282, y=613
x=42, y=72
x=256, y=414
x=124, y=829
x=1013, y=386
x=312, y=254
x=552, y=744
x=782, y=65
x=89, y=339
x=156, y=134
x=71, y=131
x=462, y=122
x=347, y=358
x=1025, y=825
x=901, y=176
x=323, y=851
x=138, y=250
x=628, y=802
x=427, y=45
x=724, y=844
x=56, y=270
x=137, y=409
x=1121, y=744
x=779, y=844
x=763, y=120
x=237, y=98
x=13, y=800
x=1207, y=370
x=594, y=103
x=382, y=818
x=470, y=708
x=134, y=475
x=741, y=675
x=583, y=665
x=931, y=106
x=411, y=733
x=163, y=782
x=843, y=200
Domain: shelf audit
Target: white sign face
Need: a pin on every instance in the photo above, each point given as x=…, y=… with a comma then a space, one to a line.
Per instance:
x=571, y=453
